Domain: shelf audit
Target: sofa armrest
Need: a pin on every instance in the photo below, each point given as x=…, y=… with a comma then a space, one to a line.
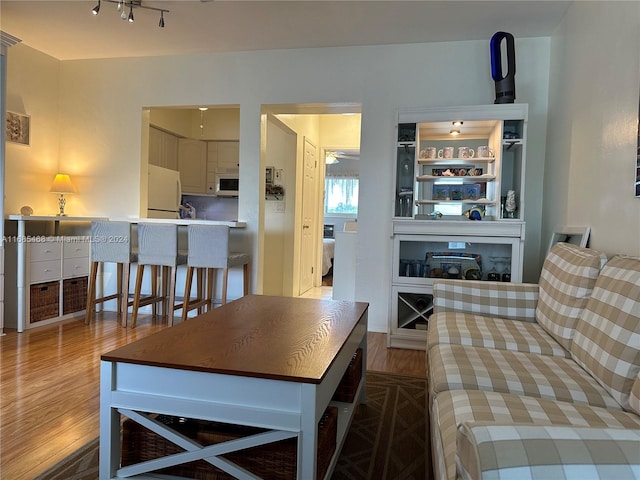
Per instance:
x=490, y=451
x=515, y=301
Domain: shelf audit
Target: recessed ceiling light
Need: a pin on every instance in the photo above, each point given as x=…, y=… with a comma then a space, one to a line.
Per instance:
x=457, y=123
x=454, y=131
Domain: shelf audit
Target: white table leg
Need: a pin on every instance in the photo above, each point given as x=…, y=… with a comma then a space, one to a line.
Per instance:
x=109, y=425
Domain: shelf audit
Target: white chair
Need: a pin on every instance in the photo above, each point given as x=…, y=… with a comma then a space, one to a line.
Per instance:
x=110, y=243
x=208, y=251
x=157, y=247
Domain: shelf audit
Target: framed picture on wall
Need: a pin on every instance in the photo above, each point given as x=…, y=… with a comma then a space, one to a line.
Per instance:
x=18, y=128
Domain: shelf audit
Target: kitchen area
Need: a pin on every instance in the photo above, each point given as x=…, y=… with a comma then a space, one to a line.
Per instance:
x=192, y=179
x=193, y=159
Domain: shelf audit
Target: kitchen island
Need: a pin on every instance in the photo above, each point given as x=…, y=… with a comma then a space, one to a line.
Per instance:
x=49, y=255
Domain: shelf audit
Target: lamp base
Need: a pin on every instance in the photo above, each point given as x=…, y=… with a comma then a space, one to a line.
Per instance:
x=61, y=203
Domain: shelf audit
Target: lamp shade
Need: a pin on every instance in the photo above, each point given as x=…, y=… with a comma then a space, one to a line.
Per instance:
x=62, y=184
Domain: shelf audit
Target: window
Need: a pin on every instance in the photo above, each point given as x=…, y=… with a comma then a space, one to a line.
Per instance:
x=341, y=195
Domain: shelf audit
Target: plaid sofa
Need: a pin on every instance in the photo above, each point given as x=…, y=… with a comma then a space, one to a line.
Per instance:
x=538, y=381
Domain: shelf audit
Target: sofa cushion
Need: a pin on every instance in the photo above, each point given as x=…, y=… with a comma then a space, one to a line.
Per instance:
x=567, y=279
x=489, y=451
x=457, y=367
x=481, y=331
x=452, y=408
x=634, y=397
x=493, y=299
x=607, y=340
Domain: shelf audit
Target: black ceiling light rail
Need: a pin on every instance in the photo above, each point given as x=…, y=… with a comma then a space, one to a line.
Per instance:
x=123, y=5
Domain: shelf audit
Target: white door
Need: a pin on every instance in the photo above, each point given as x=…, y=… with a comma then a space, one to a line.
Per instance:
x=308, y=234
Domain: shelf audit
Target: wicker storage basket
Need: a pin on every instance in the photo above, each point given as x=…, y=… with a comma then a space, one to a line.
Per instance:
x=346, y=390
x=43, y=301
x=273, y=461
x=74, y=294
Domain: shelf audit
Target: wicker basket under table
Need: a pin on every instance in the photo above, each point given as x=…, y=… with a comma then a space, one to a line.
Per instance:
x=273, y=461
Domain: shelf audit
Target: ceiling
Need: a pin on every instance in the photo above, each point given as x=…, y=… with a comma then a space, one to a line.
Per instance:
x=67, y=30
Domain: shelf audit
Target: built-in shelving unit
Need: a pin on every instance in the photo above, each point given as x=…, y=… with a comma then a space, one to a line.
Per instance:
x=451, y=217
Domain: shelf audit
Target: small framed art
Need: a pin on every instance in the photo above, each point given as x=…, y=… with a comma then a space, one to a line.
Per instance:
x=18, y=128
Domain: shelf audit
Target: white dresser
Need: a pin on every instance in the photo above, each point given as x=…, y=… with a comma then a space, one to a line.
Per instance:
x=46, y=267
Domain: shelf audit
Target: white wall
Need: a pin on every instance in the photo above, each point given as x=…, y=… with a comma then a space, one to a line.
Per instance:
x=33, y=89
x=101, y=102
x=593, y=121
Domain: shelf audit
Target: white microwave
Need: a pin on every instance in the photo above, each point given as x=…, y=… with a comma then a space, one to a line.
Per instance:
x=227, y=185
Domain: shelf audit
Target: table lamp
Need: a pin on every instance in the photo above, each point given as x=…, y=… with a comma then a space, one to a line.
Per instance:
x=62, y=184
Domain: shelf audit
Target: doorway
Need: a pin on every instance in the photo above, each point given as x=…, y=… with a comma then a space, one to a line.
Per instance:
x=316, y=127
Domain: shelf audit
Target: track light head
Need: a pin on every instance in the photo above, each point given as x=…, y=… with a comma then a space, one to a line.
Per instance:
x=96, y=9
x=161, y=24
x=130, y=18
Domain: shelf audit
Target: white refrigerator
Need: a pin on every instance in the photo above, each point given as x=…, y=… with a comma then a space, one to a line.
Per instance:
x=165, y=193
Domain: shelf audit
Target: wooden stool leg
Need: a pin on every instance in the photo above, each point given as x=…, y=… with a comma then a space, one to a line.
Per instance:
x=225, y=279
x=136, y=296
x=201, y=287
x=210, y=277
x=245, y=278
x=91, y=293
x=172, y=293
x=187, y=293
x=124, y=298
x=119, y=287
x=154, y=288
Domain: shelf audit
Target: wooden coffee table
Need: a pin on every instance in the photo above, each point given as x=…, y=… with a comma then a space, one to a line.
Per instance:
x=262, y=361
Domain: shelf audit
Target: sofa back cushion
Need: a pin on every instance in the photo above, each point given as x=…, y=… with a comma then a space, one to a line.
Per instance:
x=566, y=282
x=607, y=339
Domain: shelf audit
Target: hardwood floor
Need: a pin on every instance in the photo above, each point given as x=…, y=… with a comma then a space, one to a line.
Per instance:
x=49, y=386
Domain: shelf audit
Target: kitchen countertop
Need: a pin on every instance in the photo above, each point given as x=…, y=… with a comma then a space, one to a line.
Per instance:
x=176, y=221
x=184, y=221
x=52, y=218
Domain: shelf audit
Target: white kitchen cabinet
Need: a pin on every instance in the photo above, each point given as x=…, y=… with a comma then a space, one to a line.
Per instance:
x=228, y=156
x=212, y=166
x=192, y=164
x=163, y=149
x=432, y=236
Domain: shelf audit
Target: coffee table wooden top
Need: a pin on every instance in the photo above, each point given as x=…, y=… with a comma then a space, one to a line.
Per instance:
x=281, y=338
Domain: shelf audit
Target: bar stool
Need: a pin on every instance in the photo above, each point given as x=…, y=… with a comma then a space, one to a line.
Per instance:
x=110, y=243
x=157, y=247
x=208, y=251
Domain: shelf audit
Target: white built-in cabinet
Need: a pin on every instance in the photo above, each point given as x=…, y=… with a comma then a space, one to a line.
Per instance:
x=228, y=159
x=433, y=235
x=201, y=161
x=163, y=149
x=192, y=164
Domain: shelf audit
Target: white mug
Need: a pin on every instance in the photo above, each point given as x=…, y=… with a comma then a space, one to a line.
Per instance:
x=485, y=152
x=430, y=152
x=446, y=152
x=465, y=152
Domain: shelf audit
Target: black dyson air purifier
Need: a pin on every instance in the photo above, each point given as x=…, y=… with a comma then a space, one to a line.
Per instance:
x=505, y=83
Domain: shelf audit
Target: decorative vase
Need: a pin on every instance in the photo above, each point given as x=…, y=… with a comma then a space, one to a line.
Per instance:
x=510, y=204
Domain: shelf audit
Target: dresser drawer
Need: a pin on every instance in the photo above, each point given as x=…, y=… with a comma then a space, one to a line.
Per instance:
x=49, y=250
x=75, y=249
x=75, y=267
x=44, y=271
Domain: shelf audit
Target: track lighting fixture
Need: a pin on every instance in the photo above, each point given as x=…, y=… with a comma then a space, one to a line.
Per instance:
x=121, y=6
